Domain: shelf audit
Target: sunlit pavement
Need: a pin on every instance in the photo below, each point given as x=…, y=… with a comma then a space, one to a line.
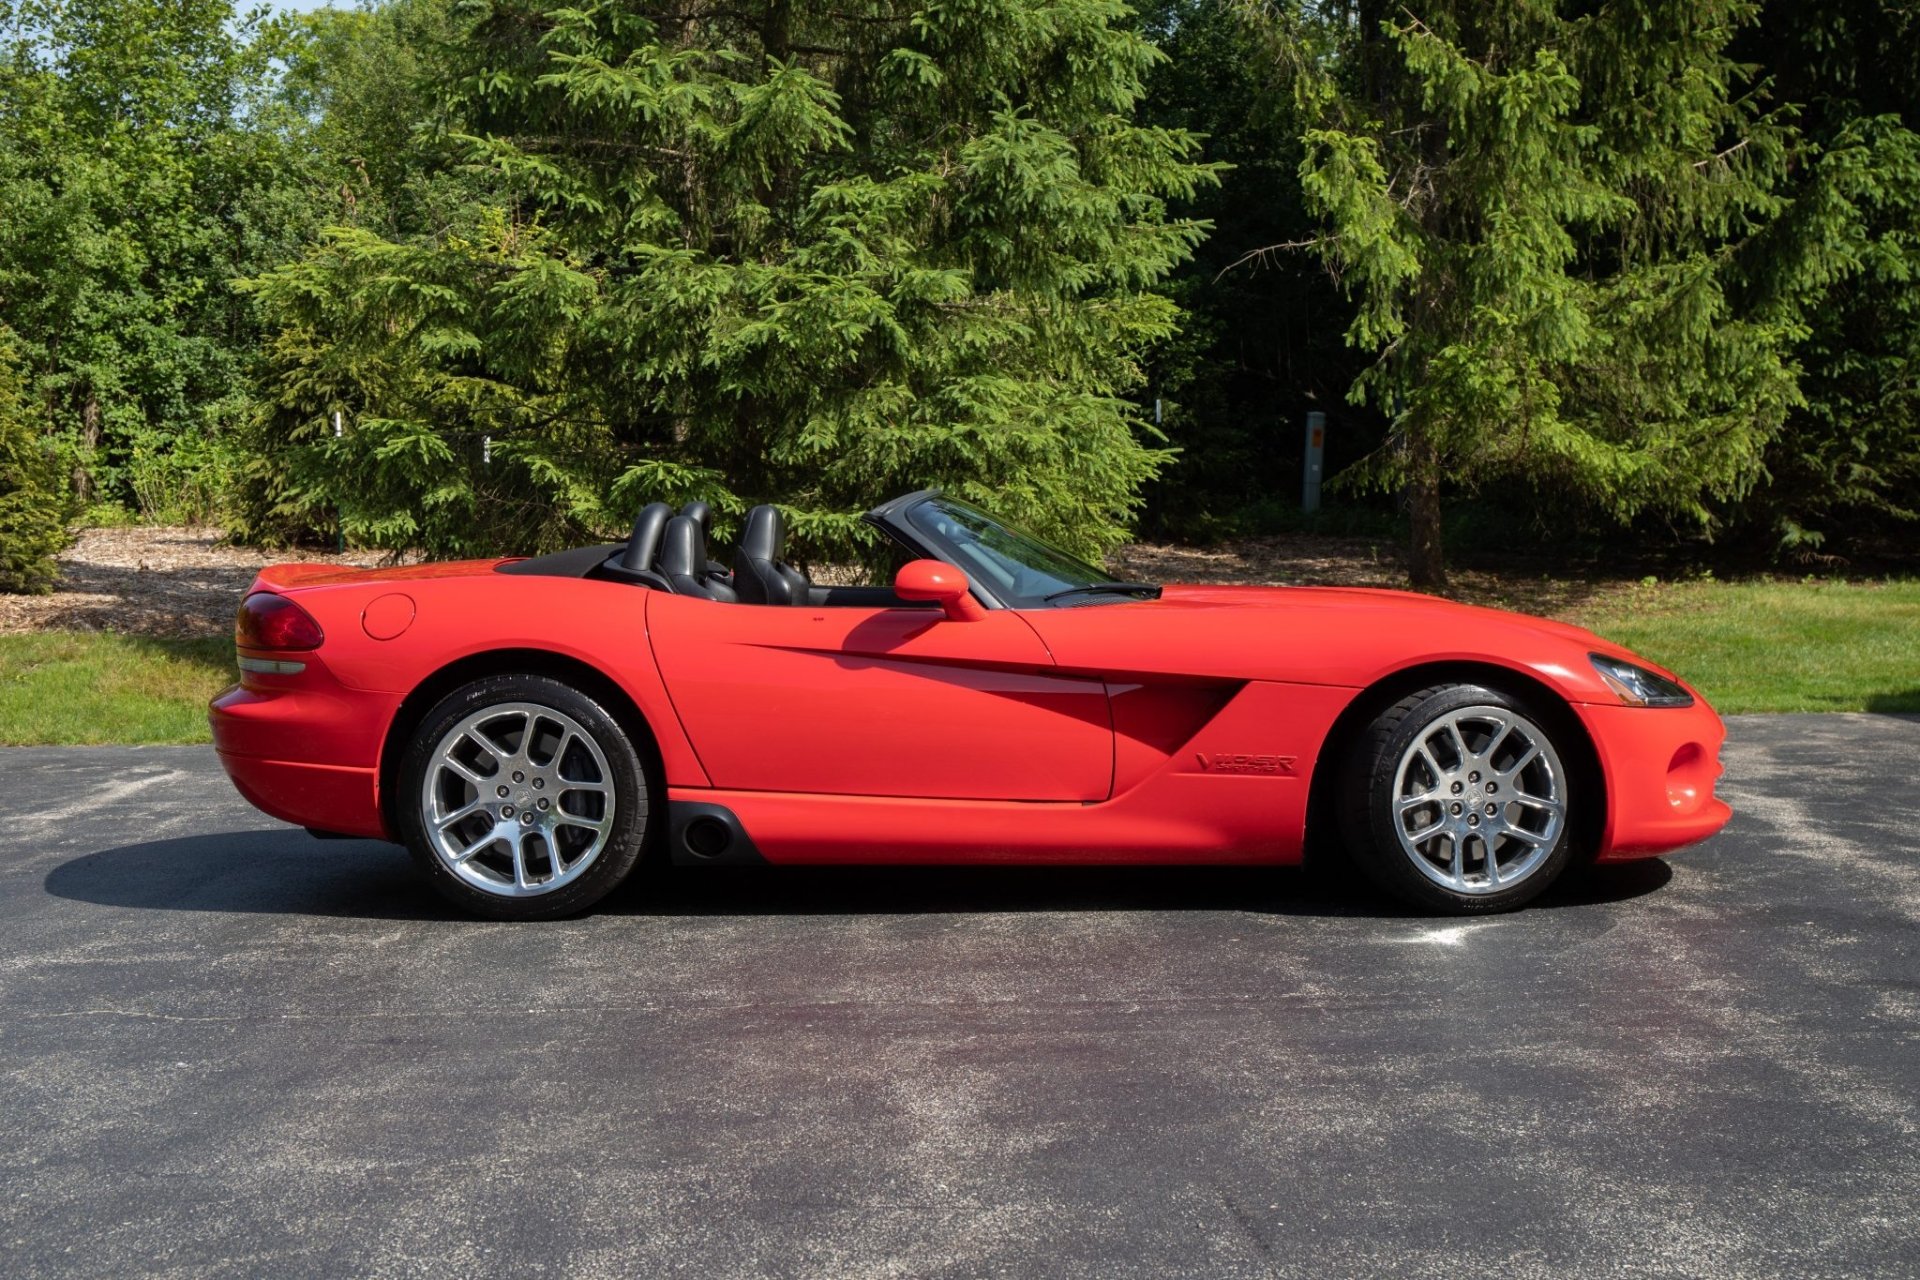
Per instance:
x=229, y=1049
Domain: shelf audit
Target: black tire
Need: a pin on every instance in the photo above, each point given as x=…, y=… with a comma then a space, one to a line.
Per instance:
x=563, y=853
x=1533, y=846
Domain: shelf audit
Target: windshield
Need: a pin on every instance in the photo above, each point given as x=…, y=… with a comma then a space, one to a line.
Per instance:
x=1014, y=567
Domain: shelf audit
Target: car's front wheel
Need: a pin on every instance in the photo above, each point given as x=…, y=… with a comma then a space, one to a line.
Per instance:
x=522, y=798
x=1458, y=799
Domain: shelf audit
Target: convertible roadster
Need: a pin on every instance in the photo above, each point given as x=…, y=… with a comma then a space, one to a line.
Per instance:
x=532, y=728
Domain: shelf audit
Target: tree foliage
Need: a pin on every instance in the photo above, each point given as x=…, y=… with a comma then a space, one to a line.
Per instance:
x=1848, y=459
x=754, y=253
x=1541, y=213
x=1261, y=342
x=141, y=170
x=33, y=508
x=1599, y=263
x=484, y=276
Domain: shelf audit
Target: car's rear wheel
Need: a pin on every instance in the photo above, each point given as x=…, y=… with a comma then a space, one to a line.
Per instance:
x=1458, y=799
x=522, y=798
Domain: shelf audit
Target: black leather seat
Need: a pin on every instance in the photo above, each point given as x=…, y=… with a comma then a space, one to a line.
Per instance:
x=683, y=562
x=759, y=575
x=643, y=548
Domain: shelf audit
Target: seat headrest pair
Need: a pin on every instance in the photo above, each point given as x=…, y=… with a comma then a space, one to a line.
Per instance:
x=643, y=548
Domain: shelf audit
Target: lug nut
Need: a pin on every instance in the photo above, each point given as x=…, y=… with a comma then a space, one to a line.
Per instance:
x=1473, y=820
x=1456, y=807
x=1492, y=809
x=521, y=777
x=539, y=784
x=501, y=792
x=1472, y=777
x=1492, y=787
x=527, y=819
x=1456, y=788
x=506, y=811
x=542, y=802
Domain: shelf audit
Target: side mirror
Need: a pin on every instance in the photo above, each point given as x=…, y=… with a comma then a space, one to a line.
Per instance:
x=935, y=580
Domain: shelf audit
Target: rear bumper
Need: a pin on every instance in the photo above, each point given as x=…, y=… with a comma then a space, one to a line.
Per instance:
x=1660, y=765
x=305, y=750
x=329, y=797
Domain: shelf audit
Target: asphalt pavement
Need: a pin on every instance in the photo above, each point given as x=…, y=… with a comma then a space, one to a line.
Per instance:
x=228, y=1049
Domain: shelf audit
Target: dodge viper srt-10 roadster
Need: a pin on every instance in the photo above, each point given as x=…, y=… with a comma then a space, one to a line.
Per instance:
x=531, y=728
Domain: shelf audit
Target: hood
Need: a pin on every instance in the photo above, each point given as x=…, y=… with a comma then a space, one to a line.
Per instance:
x=1346, y=636
x=1403, y=607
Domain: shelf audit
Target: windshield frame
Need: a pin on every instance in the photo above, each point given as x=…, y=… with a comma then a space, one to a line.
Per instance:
x=997, y=575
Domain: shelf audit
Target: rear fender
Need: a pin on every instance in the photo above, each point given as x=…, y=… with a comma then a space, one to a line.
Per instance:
x=473, y=623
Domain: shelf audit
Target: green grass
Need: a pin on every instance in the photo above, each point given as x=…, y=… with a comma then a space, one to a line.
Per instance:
x=1775, y=646
x=82, y=687
x=1749, y=646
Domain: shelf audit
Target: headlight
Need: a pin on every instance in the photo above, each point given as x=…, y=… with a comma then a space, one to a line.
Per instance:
x=1638, y=686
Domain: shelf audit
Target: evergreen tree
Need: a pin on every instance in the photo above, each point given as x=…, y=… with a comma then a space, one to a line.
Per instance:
x=751, y=252
x=1542, y=210
x=1848, y=461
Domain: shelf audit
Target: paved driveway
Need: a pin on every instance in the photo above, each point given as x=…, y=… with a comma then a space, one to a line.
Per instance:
x=228, y=1049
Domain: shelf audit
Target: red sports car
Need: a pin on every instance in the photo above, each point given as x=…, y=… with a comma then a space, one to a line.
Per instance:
x=530, y=728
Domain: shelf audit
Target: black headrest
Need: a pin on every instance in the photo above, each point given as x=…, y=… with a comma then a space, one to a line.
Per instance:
x=682, y=549
x=644, y=545
x=765, y=535
x=701, y=513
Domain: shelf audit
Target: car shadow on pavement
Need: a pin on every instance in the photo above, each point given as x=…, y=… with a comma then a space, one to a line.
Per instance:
x=277, y=871
x=286, y=872
x=1282, y=891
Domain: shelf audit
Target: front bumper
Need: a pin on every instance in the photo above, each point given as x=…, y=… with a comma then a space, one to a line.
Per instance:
x=1660, y=765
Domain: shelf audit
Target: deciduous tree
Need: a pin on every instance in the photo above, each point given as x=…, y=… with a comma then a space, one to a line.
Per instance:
x=142, y=169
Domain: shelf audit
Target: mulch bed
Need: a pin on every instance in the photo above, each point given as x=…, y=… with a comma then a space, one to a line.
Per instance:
x=152, y=580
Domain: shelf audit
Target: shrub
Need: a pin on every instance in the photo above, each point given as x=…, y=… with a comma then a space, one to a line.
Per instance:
x=33, y=503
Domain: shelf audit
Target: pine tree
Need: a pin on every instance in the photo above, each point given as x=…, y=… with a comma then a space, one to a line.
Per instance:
x=757, y=252
x=1847, y=465
x=1542, y=210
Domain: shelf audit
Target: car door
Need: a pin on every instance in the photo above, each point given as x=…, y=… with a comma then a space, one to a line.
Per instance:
x=856, y=700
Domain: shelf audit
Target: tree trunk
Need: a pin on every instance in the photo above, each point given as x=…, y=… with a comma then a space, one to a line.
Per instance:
x=1426, y=560
x=89, y=442
x=776, y=30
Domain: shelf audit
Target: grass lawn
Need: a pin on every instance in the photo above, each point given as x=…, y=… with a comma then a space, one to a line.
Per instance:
x=85, y=687
x=1774, y=646
x=1749, y=646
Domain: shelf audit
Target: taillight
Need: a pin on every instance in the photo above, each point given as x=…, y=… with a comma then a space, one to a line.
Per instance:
x=268, y=621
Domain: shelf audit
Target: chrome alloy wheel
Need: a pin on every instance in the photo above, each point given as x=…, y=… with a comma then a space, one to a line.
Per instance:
x=517, y=800
x=1480, y=799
